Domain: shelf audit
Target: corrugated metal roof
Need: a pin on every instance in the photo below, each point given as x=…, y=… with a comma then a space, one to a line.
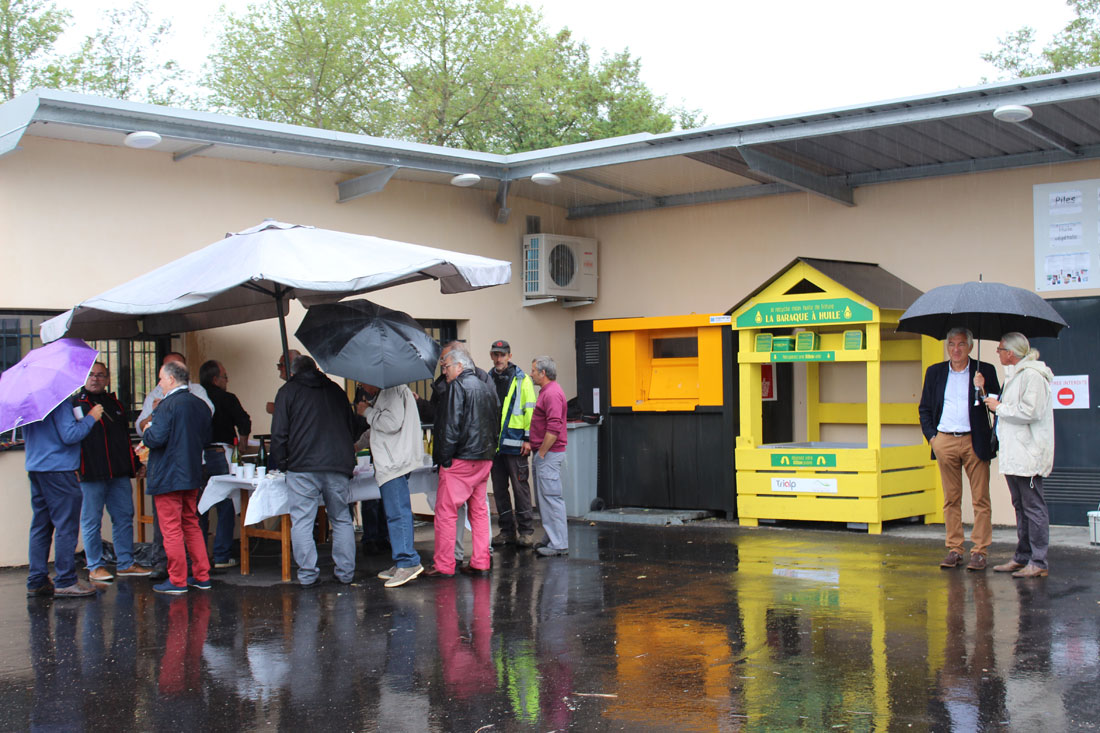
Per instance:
x=829, y=153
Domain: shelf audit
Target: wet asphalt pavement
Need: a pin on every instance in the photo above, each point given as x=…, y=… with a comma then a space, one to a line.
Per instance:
x=708, y=628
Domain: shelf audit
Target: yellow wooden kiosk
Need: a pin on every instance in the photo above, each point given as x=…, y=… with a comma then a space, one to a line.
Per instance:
x=837, y=319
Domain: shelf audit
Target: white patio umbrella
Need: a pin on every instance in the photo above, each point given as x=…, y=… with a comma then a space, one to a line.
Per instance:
x=251, y=275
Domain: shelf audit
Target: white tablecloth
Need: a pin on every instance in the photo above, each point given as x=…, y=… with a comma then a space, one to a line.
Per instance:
x=269, y=494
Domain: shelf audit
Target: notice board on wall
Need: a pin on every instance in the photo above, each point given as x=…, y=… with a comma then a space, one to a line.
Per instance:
x=1067, y=235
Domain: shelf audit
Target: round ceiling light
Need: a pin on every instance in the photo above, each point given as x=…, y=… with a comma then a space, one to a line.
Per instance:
x=142, y=139
x=546, y=179
x=464, y=180
x=1012, y=113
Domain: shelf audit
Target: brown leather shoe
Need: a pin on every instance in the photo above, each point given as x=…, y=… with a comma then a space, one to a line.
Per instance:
x=1009, y=567
x=977, y=561
x=953, y=560
x=1031, y=571
x=101, y=575
x=433, y=573
x=79, y=589
x=503, y=538
x=134, y=571
x=474, y=572
x=45, y=590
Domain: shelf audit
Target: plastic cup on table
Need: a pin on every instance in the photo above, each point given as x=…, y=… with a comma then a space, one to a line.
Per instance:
x=249, y=471
x=261, y=471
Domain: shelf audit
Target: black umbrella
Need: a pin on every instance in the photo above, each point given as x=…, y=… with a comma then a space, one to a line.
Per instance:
x=989, y=310
x=364, y=341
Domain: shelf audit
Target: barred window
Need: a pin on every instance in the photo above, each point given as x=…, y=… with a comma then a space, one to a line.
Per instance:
x=132, y=362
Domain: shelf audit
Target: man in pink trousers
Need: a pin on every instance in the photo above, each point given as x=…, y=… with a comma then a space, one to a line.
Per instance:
x=466, y=428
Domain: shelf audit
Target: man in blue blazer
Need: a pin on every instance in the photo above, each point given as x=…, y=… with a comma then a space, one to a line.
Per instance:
x=957, y=426
x=175, y=436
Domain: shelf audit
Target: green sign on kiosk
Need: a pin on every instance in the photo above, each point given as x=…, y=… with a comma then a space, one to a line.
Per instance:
x=804, y=460
x=804, y=313
x=804, y=356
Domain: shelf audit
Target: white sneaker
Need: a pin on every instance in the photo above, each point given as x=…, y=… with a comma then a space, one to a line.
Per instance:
x=404, y=575
x=387, y=574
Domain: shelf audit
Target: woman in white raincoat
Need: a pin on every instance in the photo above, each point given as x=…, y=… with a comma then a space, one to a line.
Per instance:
x=1025, y=429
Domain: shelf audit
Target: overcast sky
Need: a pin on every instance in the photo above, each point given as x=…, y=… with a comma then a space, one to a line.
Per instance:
x=739, y=61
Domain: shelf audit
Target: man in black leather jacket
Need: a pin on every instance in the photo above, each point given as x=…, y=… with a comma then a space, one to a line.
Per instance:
x=465, y=440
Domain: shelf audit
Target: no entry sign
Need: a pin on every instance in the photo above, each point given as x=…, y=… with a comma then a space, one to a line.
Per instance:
x=1071, y=392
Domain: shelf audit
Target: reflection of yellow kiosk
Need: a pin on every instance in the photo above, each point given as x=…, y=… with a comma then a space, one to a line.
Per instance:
x=863, y=460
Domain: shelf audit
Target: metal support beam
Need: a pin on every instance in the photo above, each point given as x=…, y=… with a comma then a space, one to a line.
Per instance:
x=793, y=175
x=719, y=159
x=363, y=185
x=622, y=190
x=683, y=199
x=501, y=203
x=1048, y=136
x=185, y=154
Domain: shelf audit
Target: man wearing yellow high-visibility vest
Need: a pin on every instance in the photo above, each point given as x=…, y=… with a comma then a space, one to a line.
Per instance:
x=516, y=392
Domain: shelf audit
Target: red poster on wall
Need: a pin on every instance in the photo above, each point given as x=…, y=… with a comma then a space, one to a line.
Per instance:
x=767, y=382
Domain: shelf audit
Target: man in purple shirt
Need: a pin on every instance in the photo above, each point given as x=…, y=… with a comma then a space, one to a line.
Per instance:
x=548, y=439
x=52, y=459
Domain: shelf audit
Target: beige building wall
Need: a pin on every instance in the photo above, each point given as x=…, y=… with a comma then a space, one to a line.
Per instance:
x=76, y=219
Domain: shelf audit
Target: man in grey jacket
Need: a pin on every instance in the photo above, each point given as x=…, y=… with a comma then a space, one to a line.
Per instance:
x=312, y=440
x=396, y=448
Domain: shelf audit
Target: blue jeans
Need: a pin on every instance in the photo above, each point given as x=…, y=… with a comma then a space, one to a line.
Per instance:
x=55, y=503
x=215, y=464
x=116, y=494
x=399, y=521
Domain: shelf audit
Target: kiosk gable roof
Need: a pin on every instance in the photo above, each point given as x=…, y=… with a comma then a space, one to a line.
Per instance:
x=865, y=279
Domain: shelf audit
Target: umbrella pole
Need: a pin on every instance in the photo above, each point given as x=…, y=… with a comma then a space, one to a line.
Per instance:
x=282, y=329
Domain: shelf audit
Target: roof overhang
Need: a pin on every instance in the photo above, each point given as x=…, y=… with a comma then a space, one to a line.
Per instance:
x=829, y=153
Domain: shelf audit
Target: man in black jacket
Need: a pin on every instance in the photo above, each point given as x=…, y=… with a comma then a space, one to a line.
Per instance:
x=956, y=424
x=428, y=412
x=107, y=464
x=230, y=425
x=465, y=438
x=312, y=440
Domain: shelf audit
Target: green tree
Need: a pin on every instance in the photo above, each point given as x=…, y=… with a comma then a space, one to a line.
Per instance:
x=28, y=31
x=479, y=74
x=1074, y=47
x=302, y=62
x=120, y=60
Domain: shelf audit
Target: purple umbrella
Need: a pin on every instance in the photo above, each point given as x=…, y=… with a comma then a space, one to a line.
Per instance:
x=42, y=380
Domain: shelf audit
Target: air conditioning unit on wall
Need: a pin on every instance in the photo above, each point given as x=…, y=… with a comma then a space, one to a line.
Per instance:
x=559, y=266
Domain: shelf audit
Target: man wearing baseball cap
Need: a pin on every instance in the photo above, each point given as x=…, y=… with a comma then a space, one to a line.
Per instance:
x=516, y=393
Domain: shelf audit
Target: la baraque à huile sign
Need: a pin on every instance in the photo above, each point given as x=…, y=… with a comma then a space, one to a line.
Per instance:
x=804, y=313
